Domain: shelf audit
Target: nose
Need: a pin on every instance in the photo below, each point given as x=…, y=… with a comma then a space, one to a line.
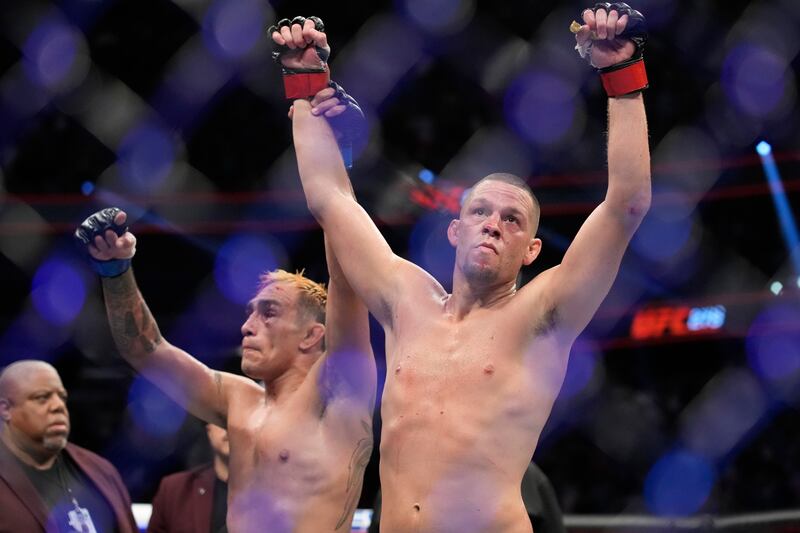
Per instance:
x=247, y=328
x=491, y=226
x=57, y=404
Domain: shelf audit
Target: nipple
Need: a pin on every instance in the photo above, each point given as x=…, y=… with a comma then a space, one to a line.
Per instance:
x=283, y=455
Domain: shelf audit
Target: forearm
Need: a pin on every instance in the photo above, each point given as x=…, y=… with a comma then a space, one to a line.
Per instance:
x=132, y=325
x=319, y=161
x=628, y=155
x=347, y=318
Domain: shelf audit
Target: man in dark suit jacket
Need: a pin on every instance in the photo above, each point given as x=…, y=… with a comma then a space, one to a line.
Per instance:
x=195, y=501
x=47, y=484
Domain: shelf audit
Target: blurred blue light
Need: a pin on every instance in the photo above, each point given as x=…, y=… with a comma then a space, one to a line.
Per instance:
x=240, y=262
x=152, y=411
x=427, y=176
x=440, y=16
x=660, y=238
x=146, y=156
x=580, y=371
x=58, y=291
x=87, y=188
x=678, y=484
x=429, y=248
x=233, y=27
x=541, y=107
x=50, y=52
x=754, y=79
x=788, y=225
x=773, y=343
x=763, y=148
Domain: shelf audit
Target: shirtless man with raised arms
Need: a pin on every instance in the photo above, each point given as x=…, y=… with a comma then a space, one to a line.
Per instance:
x=472, y=375
x=299, y=445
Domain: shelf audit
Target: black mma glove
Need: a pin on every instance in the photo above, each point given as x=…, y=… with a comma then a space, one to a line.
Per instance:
x=98, y=224
x=303, y=82
x=629, y=76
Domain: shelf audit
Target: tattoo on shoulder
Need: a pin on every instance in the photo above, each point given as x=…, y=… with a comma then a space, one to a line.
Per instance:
x=358, y=463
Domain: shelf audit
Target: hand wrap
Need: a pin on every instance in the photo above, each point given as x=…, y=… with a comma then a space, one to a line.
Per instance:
x=629, y=76
x=98, y=224
x=302, y=82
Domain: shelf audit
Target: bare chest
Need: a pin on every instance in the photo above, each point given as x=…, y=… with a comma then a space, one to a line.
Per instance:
x=276, y=448
x=488, y=364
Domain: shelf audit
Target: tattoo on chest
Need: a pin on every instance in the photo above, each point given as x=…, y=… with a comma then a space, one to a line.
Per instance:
x=131, y=322
x=355, y=478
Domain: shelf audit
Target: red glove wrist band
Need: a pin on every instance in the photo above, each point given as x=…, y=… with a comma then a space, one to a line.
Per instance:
x=623, y=79
x=305, y=84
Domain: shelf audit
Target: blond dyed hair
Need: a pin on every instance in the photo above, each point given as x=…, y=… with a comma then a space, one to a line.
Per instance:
x=311, y=296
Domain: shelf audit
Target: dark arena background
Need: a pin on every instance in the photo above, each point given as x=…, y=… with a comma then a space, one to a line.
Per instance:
x=681, y=398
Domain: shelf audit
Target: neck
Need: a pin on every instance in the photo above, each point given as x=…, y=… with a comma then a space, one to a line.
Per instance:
x=24, y=449
x=221, y=467
x=468, y=295
x=284, y=385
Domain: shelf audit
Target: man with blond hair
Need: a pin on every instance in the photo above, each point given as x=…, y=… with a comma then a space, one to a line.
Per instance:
x=300, y=443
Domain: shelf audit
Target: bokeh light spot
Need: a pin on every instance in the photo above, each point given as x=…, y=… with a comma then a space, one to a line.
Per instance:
x=773, y=343
x=678, y=484
x=580, y=370
x=152, y=411
x=240, y=262
x=429, y=247
x=440, y=16
x=58, y=291
x=233, y=27
x=52, y=51
x=755, y=79
x=541, y=106
x=662, y=235
x=146, y=157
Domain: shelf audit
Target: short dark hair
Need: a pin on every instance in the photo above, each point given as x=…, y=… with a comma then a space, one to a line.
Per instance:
x=515, y=181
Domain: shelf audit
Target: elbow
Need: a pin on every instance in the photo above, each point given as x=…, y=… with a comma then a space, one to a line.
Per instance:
x=638, y=204
x=316, y=205
x=631, y=205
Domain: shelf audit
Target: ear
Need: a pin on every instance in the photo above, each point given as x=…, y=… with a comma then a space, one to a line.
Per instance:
x=534, y=247
x=5, y=407
x=452, y=232
x=313, y=337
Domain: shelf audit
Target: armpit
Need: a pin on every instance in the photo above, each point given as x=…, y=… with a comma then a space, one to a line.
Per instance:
x=547, y=322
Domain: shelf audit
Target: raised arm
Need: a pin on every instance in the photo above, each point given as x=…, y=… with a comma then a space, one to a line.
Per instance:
x=199, y=389
x=579, y=284
x=373, y=271
x=348, y=366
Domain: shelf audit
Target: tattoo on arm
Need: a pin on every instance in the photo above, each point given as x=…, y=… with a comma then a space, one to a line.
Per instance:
x=358, y=463
x=132, y=325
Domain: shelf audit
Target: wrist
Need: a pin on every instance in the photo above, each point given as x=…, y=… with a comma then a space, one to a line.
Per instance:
x=111, y=268
x=625, y=78
x=302, y=84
